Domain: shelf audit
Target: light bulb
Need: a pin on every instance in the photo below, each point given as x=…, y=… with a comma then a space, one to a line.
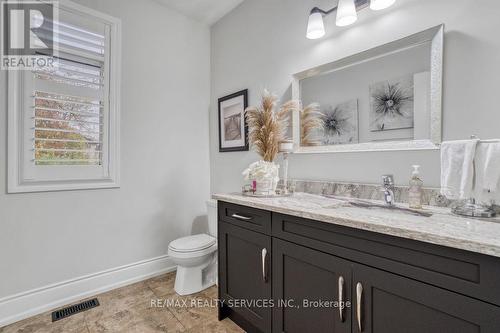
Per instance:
x=381, y=4
x=315, y=26
x=346, y=13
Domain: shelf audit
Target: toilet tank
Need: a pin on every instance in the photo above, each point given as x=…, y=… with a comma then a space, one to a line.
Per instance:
x=212, y=217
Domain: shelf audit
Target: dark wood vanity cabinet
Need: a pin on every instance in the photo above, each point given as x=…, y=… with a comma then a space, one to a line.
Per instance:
x=309, y=284
x=385, y=302
x=386, y=284
x=245, y=275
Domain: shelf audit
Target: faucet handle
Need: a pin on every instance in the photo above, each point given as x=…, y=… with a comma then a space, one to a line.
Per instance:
x=388, y=179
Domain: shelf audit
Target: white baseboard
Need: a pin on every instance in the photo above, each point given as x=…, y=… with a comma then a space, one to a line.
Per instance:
x=26, y=304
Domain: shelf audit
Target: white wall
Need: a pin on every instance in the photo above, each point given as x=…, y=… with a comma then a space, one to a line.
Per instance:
x=50, y=237
x=262, y=42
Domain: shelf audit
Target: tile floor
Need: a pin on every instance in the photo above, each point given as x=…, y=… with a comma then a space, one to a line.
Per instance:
x=129, y=309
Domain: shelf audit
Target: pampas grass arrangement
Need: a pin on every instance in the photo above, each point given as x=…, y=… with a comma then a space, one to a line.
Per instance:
x=310, y=119
x=267, y=126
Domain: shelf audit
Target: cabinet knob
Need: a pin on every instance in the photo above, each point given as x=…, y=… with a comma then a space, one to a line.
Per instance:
x=359, y=295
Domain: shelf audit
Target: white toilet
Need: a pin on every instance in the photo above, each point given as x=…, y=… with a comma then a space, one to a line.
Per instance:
x=196, y=257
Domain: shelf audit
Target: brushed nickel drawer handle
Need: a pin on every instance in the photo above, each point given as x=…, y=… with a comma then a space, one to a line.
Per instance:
x=241, y=217
x=264, y=255
x=359, y=294
x=341, y=298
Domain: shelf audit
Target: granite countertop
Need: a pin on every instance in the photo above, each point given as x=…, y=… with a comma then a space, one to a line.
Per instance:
x=442, y=228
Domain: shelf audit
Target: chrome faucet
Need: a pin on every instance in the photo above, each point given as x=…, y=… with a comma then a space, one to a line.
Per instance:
x=388, y=183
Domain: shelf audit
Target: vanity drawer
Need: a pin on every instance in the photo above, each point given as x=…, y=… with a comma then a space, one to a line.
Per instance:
x=464, y=272
x=246, y=217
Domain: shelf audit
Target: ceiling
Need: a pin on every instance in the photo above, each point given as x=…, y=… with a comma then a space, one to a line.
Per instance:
x=206, y=11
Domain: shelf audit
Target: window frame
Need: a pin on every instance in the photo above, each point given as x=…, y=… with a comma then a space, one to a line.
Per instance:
x=77, y=177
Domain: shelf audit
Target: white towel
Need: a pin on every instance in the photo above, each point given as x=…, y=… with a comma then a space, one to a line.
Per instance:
x=491, y=167
x=487, y=162
x=457, y=168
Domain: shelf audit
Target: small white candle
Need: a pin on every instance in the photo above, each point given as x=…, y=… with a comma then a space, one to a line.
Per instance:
x=286, y=147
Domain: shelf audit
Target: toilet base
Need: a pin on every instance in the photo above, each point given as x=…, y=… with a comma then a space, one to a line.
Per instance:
x=190, y=280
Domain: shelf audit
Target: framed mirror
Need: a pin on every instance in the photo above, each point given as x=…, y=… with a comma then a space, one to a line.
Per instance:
x=385, y=98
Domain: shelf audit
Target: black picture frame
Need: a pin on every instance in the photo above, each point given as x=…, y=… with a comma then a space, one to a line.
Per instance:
x=245, y=146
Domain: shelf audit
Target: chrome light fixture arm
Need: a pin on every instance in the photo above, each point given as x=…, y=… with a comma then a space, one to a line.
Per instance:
x=321, y=11
x=360, y=4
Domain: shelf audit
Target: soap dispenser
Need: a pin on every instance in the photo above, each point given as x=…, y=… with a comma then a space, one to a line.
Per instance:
x=415, y=192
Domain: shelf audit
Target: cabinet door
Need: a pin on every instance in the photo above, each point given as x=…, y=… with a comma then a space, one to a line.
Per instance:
x=388, y=303
x=307, y=288
x=245, y=276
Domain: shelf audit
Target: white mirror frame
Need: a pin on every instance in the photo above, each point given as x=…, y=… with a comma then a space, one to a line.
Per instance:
x=435, y=36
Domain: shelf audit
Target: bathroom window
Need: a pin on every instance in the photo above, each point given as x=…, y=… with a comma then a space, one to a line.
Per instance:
x=64, y=119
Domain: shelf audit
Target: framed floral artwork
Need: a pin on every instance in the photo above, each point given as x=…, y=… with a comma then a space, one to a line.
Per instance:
x=392, y=104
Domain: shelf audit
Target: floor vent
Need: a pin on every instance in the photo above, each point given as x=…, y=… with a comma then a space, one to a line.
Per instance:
x=73, y=309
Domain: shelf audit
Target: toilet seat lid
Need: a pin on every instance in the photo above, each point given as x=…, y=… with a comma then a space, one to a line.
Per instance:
x=192, y=243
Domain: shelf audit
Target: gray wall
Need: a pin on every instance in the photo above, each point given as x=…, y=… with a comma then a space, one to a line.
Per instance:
x=262, y=42
x=51, y=237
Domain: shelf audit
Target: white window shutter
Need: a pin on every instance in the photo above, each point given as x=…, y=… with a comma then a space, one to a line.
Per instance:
x=67, y=122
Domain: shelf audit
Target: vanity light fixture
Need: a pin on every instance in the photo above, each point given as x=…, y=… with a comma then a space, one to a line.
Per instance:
x=346, y=14
x=315, y=27
x=381, y=4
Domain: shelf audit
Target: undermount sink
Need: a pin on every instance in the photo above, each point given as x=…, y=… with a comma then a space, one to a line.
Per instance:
x=370, y=204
